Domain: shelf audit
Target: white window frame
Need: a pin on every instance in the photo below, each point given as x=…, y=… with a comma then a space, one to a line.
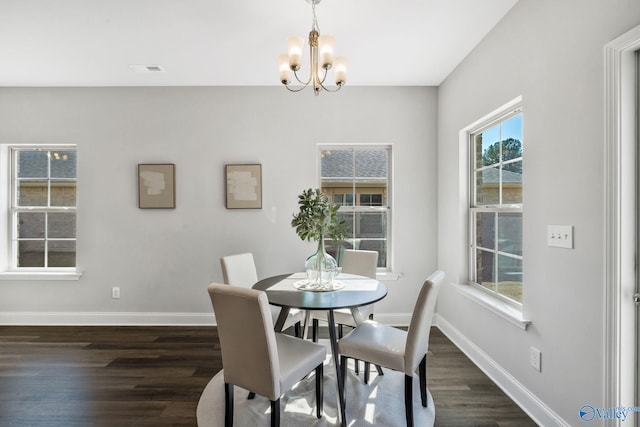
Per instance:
x=8, y=251
x=387, y=270
x=498, y=208
x=512, y=313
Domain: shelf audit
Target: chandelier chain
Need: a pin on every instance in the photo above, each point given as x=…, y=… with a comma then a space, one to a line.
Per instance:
x=315, y=18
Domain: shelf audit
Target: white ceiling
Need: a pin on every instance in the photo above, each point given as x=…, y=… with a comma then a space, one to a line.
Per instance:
x=233, y=42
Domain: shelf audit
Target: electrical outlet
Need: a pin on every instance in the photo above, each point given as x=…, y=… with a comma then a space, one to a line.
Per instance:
x=560, y=236
x=535, y=357
x=115, y=292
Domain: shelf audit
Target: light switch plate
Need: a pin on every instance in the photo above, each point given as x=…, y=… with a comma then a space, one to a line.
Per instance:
x=560, y=236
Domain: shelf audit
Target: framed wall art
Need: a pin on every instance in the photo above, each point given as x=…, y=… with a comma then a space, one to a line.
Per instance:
x=156, y=186
x=244, y=186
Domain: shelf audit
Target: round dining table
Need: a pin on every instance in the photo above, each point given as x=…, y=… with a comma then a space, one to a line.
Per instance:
x=355, y=291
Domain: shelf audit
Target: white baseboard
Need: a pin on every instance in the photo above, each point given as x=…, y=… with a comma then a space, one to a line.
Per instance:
x=107, y=319
x=146, y=319
x=529, y=402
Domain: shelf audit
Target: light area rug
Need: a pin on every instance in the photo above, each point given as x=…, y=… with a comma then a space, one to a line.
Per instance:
x=379, y=403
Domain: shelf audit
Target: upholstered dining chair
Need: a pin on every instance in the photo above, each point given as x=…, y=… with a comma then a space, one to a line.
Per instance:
x=240, y=270
x=362, y=263
x=396, y=349
x=254, y=356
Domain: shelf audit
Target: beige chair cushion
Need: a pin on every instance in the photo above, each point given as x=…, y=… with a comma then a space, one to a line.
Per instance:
x=376, y=343
x=297, y=359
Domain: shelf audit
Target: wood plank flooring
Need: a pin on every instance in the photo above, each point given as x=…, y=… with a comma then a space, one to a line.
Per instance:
x=153, y=376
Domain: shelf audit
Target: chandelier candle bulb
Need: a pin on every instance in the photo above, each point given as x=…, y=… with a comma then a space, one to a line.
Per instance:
x=341, y=64
x=285, y=70
x=295, y=45
x=326, y=45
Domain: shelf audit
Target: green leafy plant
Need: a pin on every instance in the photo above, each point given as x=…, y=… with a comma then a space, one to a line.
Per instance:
x=318, y=217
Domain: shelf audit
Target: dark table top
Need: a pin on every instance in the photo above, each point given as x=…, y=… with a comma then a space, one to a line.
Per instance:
x=358, y=291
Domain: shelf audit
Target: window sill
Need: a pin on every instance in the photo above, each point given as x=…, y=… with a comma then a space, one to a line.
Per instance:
x=388, y=275
x=41, y=275
x=502, y=309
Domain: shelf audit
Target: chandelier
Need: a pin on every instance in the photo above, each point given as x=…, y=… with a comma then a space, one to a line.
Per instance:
x=320, y=60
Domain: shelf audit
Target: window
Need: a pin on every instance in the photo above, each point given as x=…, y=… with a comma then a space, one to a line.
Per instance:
x=495, y=213
x=358, y=179
x=42, y=217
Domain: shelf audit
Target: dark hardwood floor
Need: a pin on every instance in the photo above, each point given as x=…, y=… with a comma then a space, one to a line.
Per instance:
x=153, y=376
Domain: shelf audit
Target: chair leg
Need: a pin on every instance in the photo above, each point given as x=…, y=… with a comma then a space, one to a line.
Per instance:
x=408, y=399
x=380, y=371
x=422, y=374
x=297, y=330
x=340, y=331
x=314, y=331
x=367, y=365
x=228, y=405
x=356, y=363
x=343, y=370
x=319, y=390
x=275, y=413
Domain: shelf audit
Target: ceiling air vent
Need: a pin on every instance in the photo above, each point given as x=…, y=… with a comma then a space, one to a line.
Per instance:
x=147, y=68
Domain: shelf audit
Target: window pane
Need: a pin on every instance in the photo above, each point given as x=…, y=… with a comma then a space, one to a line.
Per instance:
x=371, y=224
x=487, y=147
x=485, y=262
x=63, y=193
x=371, y=165
x=62, y=253
x=348, y=218
x=62, y=225
x=488, y=186
x=379, y=246
x=32, y=164
x=512, y=183
x=356, y=178
x=510, y=233
x=486, y=229
x=510, y=277
x=31, y=253
x=336, y=164
x=339, y=198
x=63, y=164
x=512, y=138
x=30, y=225
x=32, y=193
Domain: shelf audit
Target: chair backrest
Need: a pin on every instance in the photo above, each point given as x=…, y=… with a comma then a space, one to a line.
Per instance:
x=363, y=263
x=247, y=340
x=239, y=270
x=420, y=326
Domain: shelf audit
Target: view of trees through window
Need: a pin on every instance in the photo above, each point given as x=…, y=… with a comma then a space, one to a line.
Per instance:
x=496, y=208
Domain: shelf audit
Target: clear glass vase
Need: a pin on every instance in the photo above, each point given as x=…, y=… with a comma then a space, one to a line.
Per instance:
x=321, y=269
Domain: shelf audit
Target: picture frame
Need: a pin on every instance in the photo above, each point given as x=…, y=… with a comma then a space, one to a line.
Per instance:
x=156, y=186
x=243, y=186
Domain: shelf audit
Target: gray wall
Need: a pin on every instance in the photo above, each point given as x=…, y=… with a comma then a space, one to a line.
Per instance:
x=163, y=259
x=551, y=53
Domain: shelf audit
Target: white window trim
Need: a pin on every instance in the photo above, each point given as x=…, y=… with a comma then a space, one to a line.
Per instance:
x=7, y=273
x=382, y=272
x=511, y=312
